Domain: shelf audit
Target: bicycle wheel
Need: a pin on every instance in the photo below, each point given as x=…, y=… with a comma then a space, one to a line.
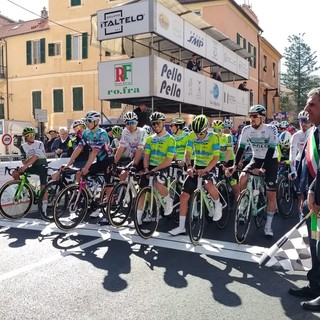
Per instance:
x=285, y=196
x=15, y=201
x=175, y=192
x=70, y=207
x=262, y=209
x=147, y=218
x=119, y=205
x=243, y=217
x=224, y=199
x=52, y=190
x=195, y=218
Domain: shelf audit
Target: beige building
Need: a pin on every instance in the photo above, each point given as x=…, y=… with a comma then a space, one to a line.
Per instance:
x=49, y=63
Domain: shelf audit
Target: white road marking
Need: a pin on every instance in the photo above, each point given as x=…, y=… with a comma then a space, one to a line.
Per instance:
x=207, y=246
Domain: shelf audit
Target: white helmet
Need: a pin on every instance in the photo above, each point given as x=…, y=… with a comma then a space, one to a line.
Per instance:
x=148, y=129
x=92, y=115
x=284, y=139
x=129, y=116
x=284, y=124
x=303, y=114
x=79, y=122
x=275, y=123
x=228, y=124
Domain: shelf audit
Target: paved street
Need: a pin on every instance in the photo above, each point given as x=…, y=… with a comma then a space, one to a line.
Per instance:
x=99, y=272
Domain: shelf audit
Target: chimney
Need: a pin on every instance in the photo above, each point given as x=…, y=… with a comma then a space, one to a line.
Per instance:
x=44, y=13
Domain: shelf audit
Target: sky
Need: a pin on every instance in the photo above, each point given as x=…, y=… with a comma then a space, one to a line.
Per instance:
x=277, y=18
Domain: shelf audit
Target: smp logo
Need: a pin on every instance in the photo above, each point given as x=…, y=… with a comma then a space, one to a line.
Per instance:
x=123, y=74
x=196, y=40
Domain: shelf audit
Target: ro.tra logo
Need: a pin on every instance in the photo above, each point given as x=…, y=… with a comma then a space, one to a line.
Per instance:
x=123, y=74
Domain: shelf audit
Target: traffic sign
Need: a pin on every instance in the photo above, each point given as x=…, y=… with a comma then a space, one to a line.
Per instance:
x=41, y=115
x=6, y=139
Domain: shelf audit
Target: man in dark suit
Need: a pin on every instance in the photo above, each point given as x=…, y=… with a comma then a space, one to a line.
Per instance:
x=307, y=171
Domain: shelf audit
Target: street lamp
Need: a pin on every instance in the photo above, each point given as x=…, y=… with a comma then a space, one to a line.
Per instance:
x=276, y=95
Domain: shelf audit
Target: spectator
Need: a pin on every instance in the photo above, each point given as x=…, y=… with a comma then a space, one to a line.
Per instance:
x=193, y=64
x=60, y=145
x=53, y=136
x=243, y=86
x=217, y=75
x=143, y=115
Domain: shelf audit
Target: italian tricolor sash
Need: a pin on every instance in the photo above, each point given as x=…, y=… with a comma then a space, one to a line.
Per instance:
x=312, y=154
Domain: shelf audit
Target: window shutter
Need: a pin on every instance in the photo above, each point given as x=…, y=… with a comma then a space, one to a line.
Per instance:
x=238, y=39
x=42, y=50
x=244, y=43
x=51, y=49
x=68, y=47
x=36, y=101
x=75, y=3
x=58, y=100
x=29, y=61
x=77, y=99
x=85, y=45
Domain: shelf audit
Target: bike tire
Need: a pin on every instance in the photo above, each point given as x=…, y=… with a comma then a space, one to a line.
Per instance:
x=242, y=217
x=195, y=218
x=52, y=188
x=118, y=208
x=146, y=224
x=10, y=208
x=285, y=196
x=175, y=193
x=69, y=211
x=262, y=213
x=224, y=198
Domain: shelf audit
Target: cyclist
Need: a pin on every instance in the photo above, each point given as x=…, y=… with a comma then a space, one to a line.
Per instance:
x=206, y=150
x=101, y=155
x=132, y=142
x=263, y=140
x=34, y=158
x=116, y=134
x=283, y=126
x=181, y=138
x=158, y=154
x=226, y=152
x=296, y=146
x=148, y=130
x=283, y=149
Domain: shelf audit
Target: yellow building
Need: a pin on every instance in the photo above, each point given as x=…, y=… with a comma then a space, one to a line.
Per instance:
x=50, y=64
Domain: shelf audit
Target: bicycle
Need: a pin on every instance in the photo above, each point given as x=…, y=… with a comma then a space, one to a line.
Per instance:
x=51, y=190
x=18, y=196
x=286, y=191
x=152, y=202
x=200, y=205
x=77, y=199
x=121, y=199
x=252, y=202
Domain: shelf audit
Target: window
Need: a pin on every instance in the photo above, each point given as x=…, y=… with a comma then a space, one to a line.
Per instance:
x=253, y=50
x=75, y=3
x=54, y=49
x=273, y=69
x=115, y=105
x=77, y=95
x=241, y=41
x=77, y=46
x=265, y=63
x=1, y=111
x=36, y=101
x=36, y=51
x=57, y=100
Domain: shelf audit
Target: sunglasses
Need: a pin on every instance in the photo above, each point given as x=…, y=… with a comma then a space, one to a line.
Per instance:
x=30, y=135
x=201, y=134
x=217, y=130
x=129, y=123
x=156, y=123
x=304, y=121
x=89, y=120
x=254, y=116
x=79, y=126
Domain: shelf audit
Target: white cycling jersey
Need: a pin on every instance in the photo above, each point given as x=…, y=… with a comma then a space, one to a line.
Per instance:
x=260, y=140
x=132, y=141
x=296, y=146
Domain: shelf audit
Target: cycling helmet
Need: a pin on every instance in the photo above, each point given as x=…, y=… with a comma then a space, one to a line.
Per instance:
x=28, y=130
x=284, y=139
x=148, y=129
x=199, y=123
x=93, y=115
x=157, y=116
x=178, y=121
x=217, y=124
x=284, y=124
x=130, y=116
x=78, y=123
x=275, y=123
x=186, y=129
x=303, y=115
x=116, y=131
x=257, y=108
x=228, y=123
